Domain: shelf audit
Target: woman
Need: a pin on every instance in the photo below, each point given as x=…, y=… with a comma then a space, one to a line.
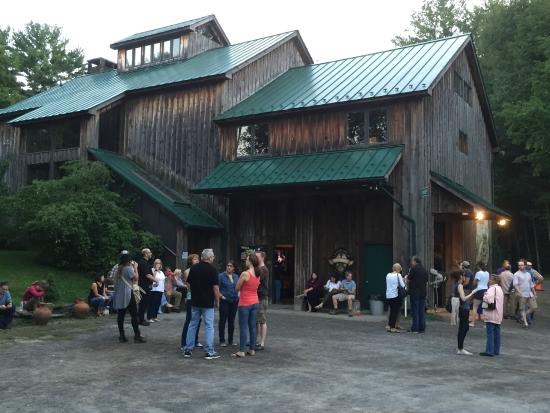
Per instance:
x=313, y=292
x=98, y=298
x=124, y=298
x=173, y=296
x=463, y=309
x=331, y=287
x=191, y=260
x=156, y=292
x=480, y=286
x=248, y=305
x=393, y=279
x=493, y=311
x=229, y=301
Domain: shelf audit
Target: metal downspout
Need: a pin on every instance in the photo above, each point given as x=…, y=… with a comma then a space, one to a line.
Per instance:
x=405, y=217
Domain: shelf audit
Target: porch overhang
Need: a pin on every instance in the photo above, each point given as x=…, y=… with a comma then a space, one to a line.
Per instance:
x=182, y=209
x=481, y=208
x=353, y=165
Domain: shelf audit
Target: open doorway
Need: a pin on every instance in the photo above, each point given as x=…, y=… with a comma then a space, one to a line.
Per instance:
x=283, y=274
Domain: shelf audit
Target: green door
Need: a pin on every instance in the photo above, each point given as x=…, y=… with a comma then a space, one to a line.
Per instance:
x=377, y=262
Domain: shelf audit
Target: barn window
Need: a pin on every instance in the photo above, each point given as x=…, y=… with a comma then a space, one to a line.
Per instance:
x=166, y=50
x=147, y=54
x=156, y=52
x=252, y=140
x=176, y=47
x=462, y=88
x=463, y=142
x=62, y=135
x=137, y=56
x=374, y=122
x=129, y=57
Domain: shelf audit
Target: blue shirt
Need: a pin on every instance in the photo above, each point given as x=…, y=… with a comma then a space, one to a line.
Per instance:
x=227, y=288
x=347, y=285
x=5, y=298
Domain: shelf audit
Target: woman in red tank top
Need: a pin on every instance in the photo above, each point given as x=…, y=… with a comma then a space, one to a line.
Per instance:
x=248, y=305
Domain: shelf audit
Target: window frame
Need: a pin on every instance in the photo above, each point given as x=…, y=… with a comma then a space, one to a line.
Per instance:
x=238, y=133
x=366, y=126
x=463, y=142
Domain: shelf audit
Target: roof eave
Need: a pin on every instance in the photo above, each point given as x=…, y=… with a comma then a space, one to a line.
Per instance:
x=24, y=122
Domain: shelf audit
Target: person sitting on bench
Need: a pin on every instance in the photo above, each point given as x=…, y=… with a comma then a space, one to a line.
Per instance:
x=346, y=293
x=6, y=306
x=33, y=295
x=331, y=287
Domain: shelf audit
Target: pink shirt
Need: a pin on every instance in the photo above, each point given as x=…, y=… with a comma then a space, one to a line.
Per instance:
x=249, y=291
x=494, y=316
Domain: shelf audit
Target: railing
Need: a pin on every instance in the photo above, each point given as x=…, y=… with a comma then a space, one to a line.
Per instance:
x=59, y=155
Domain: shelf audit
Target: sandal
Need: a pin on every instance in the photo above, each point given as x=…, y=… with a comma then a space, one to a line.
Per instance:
x=237, y=355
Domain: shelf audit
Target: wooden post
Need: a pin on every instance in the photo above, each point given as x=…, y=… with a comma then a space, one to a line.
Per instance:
x=181, y=245
x=303, y=240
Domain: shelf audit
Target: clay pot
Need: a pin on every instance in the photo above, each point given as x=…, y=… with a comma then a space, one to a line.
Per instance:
x=81, y=309
x=42, y=314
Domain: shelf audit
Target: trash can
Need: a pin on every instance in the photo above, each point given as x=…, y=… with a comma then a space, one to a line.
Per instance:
x=376, y=307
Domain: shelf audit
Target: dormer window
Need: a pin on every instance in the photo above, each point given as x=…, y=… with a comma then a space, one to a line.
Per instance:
x=156, y=52
x=153, y=53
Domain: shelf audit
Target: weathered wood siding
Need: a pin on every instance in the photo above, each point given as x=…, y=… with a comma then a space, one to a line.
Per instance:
x=10, y=142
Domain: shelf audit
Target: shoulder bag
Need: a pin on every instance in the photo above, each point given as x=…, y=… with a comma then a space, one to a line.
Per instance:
x=401, y=291
x=137, y=291
x=490, y=306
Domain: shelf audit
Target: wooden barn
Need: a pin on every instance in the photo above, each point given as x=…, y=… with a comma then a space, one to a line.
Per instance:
x=249, y=145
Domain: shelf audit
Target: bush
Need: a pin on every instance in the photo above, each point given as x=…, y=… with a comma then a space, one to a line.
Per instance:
x=76, y=221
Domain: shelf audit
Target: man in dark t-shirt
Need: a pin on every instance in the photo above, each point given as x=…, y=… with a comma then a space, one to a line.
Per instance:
x=145, y=281
x=263, y=298
x=204, y=282
x=418, y=279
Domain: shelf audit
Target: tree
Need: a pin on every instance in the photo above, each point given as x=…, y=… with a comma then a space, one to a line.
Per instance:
x=436, y=19
x=76, y=221
x=10, y=89
x=41, y=57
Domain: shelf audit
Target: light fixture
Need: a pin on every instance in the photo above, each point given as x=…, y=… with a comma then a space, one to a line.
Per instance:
x=465, y=214
x=480, y=215
x=502, y=222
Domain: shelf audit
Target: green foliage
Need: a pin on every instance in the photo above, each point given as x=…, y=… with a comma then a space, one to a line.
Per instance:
x=76, y=221
x=10, y=89
x=51, y=293
x=436, y=19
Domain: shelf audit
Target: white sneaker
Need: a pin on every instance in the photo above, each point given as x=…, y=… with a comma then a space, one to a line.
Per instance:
x=464, y=352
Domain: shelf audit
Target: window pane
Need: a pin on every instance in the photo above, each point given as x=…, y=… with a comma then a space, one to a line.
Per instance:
x=137, y=56
x=166, y=52
x=156, y=52
x=147, y=54
x=38, y=140
x=129, y=57
x=356, y=127
x=176, y=47
x=378, y=126
x=252, y=140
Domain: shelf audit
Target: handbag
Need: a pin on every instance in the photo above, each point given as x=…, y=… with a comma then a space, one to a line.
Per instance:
x=136, y=290
x=401, y=291
x=490, y=306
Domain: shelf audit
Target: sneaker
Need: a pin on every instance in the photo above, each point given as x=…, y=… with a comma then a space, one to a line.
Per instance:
x=224, y=344
x=145, y=323
x=350, y=313
x=199, y=345
x=472, y=325
x=332, y=312
x=233, y=344
x=464, y=352
x=486, y=354
x=151, y=321
x=139, y=339
x=412, y=331
x=187, y=354
x=212, y=356
x=155, y=320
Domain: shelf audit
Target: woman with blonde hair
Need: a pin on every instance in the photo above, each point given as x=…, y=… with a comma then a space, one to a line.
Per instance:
x=156, y=291
x=393, y=280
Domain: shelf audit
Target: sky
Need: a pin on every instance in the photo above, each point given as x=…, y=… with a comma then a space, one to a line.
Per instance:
x=330, y=29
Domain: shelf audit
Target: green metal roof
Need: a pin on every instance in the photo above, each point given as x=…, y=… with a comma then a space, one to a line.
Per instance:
x=190, y=215
x=405, y=70
x=463, y=193
x=349, y=165
x=86, y=92
x=159, y=31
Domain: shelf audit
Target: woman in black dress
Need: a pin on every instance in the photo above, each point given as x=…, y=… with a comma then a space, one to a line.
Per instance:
x=313, y=292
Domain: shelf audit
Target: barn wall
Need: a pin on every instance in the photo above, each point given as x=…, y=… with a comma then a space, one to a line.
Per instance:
x=10, y=142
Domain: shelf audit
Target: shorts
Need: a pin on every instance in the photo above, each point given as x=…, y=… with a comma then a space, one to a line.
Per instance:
x=262, y=310
x=479, y=294
x=344, y=297
x=531, y=302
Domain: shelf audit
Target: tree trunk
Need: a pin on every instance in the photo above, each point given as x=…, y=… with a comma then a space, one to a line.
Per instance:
x=526, y=234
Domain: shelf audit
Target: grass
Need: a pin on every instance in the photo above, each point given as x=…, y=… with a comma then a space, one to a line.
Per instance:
x=20, y=269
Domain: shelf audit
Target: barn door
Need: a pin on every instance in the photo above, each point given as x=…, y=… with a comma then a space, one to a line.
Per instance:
x=377, y=261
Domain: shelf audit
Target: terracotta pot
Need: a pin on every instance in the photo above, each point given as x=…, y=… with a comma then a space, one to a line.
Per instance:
x=81, y=309
x=42, y=315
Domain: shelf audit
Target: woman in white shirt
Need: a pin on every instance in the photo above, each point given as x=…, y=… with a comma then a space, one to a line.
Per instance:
x=156, y=291
x=393, y=279
x=481, y=281
x=331, y=287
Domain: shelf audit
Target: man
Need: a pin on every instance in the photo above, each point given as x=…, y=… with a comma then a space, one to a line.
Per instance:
x=204, y=283
x=503, y=266
x=506, y=280
x=33, y=295
x=537, y=279
x=418, y=278
x=525, y=289
x=347, y=293
x=145, y=281
x=468, y=276
x=263, y=298
x=6, y=306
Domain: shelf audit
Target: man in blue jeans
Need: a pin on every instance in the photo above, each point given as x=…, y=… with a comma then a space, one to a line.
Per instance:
x=418, y=279
x=204, y=283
